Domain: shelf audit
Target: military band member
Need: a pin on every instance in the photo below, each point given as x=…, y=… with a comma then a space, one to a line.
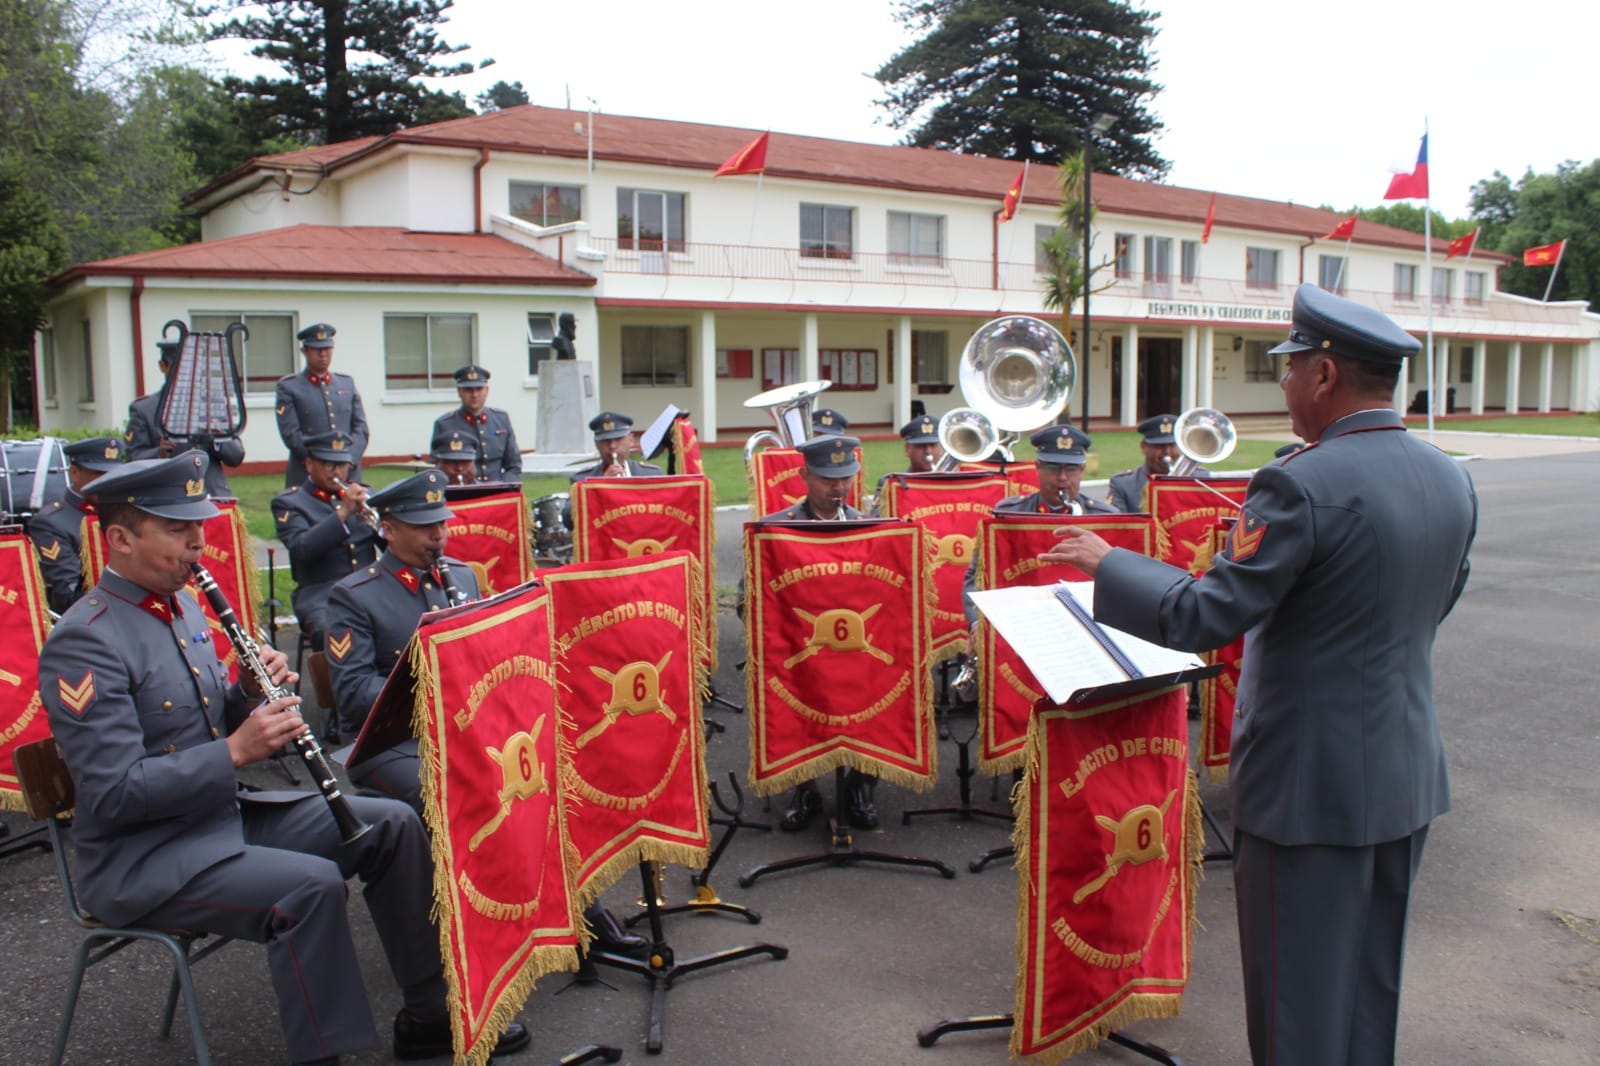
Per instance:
x=153, y=734
x=147, y=440
x=499, y=458
x=921, y=436
x=456, y=457
x=57, y=529
x=831, y=468
x=826, y=422
x=1130, y=488
x=613, y=440
x=320, y=522
x=1347, y=555
x=318, y=401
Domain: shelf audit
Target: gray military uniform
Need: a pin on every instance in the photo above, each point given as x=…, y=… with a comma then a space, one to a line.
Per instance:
x=635, y=469
x=499, y=458
x=1127, y=488
x=1347, y=556
x=376, y=610
x=322, y=550
x=57, y=535
x=139, y=704
x=306, y=409
x=1028, y=504
x=143, y=438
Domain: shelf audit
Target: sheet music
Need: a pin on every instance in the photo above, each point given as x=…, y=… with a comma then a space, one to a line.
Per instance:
x=1063, y=656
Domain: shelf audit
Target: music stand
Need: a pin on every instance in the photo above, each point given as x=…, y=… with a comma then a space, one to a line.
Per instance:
x=842, y=851
x=929, y=1036
x=1226, y=852
x=706, y=900
x=31, y=838
x=965, y=772
x=660, y=967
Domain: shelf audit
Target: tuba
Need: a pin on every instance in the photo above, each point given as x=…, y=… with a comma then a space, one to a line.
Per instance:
x=790, y=408
x=1203, y=436
x=1016, y=373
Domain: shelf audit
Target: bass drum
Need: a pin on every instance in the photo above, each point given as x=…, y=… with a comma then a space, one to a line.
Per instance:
x=552, y=529
x=32, y=474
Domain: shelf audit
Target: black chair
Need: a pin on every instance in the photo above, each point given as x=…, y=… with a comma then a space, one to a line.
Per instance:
x=48, y=792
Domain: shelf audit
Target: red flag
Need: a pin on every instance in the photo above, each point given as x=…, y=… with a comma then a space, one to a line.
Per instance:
x=1013, y=197
x=1544, y=255
x=1412, y=186
x=751, y=159
x=1343, y=231
x=1462, y=245
x=1211, y=216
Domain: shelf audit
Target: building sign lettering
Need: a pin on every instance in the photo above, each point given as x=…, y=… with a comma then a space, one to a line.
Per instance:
x=1216, y=312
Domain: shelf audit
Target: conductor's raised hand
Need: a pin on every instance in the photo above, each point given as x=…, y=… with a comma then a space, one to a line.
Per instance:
x=269, y=728
x=1077, y=547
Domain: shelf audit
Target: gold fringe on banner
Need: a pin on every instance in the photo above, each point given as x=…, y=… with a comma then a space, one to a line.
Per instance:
x=250, y=576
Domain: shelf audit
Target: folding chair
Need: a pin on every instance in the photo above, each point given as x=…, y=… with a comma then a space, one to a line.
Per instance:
x=48, y=792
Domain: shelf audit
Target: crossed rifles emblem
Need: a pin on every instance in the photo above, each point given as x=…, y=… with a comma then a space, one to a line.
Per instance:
x=644, y=546
x=635, y=690
x=838, y=629
x=1138, y=838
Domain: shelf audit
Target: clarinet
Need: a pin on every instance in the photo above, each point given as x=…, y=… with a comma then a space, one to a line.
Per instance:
x=351, y=827
x=447, y=581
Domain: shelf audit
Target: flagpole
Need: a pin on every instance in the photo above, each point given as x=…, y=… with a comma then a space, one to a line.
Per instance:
x=755, y=206
x=1553, y=271
x=1427, y=259
x=1338, y=281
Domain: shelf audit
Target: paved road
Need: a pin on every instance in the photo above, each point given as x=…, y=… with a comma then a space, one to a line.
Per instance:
x=1504, y=959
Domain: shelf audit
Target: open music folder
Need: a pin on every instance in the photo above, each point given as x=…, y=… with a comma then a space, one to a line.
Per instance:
x=1073, y=657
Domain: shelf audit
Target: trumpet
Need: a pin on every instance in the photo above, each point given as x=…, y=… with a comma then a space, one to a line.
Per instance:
x=367, y=513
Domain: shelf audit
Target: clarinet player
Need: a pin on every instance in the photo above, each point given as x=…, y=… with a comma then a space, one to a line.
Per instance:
x=153, y=735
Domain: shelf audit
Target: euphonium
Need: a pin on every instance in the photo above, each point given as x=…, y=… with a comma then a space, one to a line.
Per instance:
x=350, y=824
x=1203, y=436
x=1016, y=374
x=790, y=408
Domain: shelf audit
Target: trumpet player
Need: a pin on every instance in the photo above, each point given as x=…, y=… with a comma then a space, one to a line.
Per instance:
x=456, y=457
x=1129, y=488
x=923, y=452
x=321, y=524
x=613, y=440
x=153, y=735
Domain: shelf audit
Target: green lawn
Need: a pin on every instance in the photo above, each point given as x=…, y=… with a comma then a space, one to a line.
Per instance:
x=1579, y=425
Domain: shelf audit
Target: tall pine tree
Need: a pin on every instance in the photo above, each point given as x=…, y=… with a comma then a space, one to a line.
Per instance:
x=352, y=67
x=1021, y=79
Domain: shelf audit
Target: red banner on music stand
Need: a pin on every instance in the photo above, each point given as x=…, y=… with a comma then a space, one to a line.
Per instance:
x=1186, y=511
x=1008, y=549
x=837, y=623
x=489, y=737
x=1023, y=476
x=948, y=507
x=686, y=446
x=1108, y=841
x=776, y=484
x=490, y=534
x=629, y=638
x=24, y=624
x=1219, y=695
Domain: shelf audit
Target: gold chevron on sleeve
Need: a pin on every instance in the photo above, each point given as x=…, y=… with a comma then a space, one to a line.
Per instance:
x=77, y=697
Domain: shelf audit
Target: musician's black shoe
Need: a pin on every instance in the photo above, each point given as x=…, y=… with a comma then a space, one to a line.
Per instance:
x=611, y=937
x=413, y=1040
x=804, y=805
x=859, y=808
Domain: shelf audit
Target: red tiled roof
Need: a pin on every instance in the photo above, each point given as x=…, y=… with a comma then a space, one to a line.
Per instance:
x=661, y=142
x=350, y=253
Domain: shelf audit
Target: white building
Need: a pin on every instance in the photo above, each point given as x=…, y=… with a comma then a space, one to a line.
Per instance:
x=870, y=265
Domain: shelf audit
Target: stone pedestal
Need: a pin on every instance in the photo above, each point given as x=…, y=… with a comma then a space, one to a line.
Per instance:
x=569, y=397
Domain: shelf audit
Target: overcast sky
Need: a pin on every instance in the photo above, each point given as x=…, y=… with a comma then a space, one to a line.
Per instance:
x=1270, y=98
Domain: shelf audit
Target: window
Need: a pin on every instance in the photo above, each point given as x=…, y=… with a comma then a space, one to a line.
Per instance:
x=1467, y=357
x=827, y=232
x=1258, y=365
x=930, y=357
x=86, y=386
x=1041, y=258
x=424, y=351
x=541, y=334
x=655, y=355
x=916, y=238
x=1405, y=281
x=649, y=221
x=1331, y=273
x=1157, y=266
x=1190, y=262
x=1261, y=268
x=47, y=361
x=1443, y=282
x=1124, y=255
x=1477, y=285
x=266, y=355
x=545, y=204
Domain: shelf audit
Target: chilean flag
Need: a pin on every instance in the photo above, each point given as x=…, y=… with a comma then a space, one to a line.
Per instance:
x=1013, y=196
x=1412, y=186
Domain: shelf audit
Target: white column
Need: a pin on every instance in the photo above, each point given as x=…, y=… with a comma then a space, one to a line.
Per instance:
x=1208, y=365
x=808, y=347
x=1441, y=374
x=1191, y=366
x=705, y=393
x=1130, y=374
x=1480, y=366
x=902, y=372
x=1547, y=373
x=1513, y=377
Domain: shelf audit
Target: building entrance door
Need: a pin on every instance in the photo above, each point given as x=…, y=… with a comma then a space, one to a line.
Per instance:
x=1159, y=389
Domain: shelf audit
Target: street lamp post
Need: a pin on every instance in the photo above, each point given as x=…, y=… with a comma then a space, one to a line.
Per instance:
x=1101, y=123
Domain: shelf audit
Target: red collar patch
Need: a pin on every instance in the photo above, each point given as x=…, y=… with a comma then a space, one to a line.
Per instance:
x=322, y=380
x=407, y=577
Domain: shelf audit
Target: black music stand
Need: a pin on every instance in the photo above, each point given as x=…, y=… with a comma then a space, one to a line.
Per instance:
x=660, y=968
x=929, y=1036
x=964, y=774
x=1225, y=854
x=842, y=851
x=590, y=1053
x=33, y=837
x=706, y=900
